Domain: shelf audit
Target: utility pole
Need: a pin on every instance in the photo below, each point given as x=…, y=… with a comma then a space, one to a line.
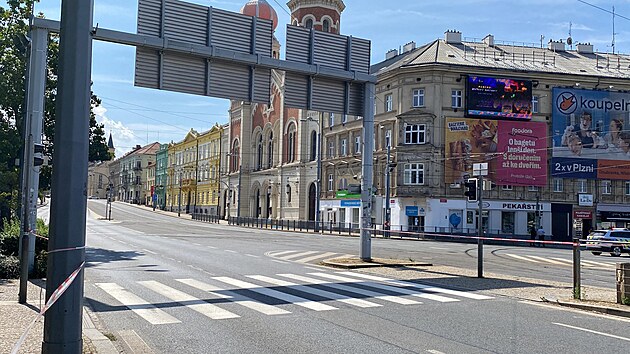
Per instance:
x=480, y=229
x=62, y=324
x=179, y=198
x=388, y=210
x=367, y=172
x=318, y=185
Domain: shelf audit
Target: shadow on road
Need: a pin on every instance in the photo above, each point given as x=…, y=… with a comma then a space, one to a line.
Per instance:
x=99, y=256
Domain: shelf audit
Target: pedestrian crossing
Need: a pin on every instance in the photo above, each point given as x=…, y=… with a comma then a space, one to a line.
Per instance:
x=229, y=298
x=560, y=261
x=305, y=256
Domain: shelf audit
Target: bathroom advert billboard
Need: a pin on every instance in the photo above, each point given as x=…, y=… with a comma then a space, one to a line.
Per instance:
x=516, y=152
x=590, y=134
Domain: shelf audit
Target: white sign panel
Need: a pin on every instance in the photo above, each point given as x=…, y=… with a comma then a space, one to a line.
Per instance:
x=585, y=199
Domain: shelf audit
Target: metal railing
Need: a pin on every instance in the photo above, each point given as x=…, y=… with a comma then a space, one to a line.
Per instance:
x=211, y=218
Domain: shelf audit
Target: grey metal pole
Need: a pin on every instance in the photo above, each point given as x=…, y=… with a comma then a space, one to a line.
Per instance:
x=480, y=228
x=388, y=210
x=318, y=185
x=577, y=279
x=238, y=208
x=34, y=123
x=179, y=199
x=62, y=324
x=367, y=171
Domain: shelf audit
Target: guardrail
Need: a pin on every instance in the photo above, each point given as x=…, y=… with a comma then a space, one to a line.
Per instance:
x=206, y=218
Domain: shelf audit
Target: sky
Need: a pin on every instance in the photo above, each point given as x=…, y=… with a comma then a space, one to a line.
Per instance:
x=137, y=116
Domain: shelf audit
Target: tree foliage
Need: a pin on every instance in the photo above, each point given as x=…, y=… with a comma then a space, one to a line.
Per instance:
x=13, y=24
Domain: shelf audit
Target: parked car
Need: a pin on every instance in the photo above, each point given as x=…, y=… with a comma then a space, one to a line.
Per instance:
x=614, y=241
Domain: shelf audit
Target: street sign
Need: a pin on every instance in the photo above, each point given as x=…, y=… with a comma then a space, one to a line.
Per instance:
x=480, y=169
x=485, y=205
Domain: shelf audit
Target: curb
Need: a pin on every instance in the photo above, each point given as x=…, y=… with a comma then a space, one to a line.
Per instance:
x=374, y=264
x=101, y=343
x=596, y=308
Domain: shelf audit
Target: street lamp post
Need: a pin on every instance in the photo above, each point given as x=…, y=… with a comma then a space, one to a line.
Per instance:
x=388, y=210
x=179, y=199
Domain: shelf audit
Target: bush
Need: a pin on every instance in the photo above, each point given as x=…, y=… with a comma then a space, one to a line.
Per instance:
x=10, y=245
x=9, y=267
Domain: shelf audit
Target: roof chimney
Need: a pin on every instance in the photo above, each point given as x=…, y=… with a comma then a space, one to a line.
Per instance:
x=453, y=37
x=557, y=46
x=138, y=147
x=390, y=54
x=489, y=40
x=409, y=47
x=585, y=48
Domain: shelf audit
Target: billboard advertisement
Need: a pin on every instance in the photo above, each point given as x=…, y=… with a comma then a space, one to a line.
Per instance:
x=516, y=152
x=591, y=138
x=498, y=98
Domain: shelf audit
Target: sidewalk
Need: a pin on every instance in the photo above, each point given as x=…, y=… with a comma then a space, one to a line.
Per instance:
x=16, y=318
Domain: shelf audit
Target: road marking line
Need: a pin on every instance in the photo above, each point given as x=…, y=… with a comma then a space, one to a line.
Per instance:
x=597, y=264
x=300, y=301
x=297, y=255
x=251, y=304
x=433, y=351
x=429, y=288
x=214, y=248
x=403, y=291
x=549, y=260
x=567, y=261
x=275, y=254
x=591, y=331
x=312, y=258
x=521, y=258
x=251, y=255
x=136, y=304
x=209, y=310
x=318, y=292
x=568, y=309
x=313, y=268
x=230, y=251
x=196, y=244
x=147, y=251
x=361, y=291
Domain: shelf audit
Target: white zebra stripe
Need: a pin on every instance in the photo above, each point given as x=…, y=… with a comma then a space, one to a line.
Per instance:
x=139, y=306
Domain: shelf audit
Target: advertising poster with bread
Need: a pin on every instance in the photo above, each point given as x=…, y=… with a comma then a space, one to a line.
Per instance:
x=516, y=152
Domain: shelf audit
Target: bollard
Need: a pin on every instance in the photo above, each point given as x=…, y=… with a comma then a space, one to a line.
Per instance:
x=623, y=283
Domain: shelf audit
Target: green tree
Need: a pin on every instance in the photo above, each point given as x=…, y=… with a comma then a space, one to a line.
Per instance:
x=13, y=23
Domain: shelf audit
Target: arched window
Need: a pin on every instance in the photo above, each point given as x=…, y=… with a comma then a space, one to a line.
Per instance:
x=289, y=193
x=291, y=143
x=270, y=150
x=309, y=23
x=259, y=153
x=235, y=156
x=313, y=146
x=326, y=26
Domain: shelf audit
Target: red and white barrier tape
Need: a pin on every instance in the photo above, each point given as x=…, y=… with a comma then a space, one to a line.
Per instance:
x=51, y=301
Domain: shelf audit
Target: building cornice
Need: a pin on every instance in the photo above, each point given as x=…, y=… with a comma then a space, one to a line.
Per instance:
x=295, y=5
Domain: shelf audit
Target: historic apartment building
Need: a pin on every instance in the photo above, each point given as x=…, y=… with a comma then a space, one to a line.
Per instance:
x=130, y=184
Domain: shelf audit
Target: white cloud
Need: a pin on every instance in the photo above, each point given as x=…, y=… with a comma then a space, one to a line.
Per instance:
x=124, y=138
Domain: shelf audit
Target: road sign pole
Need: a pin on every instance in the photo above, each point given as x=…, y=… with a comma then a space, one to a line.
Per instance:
x=62, y=324
x=366, y=182
x=480, y=229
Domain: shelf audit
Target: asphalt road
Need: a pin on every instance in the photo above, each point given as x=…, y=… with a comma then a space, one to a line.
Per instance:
x=173, y=285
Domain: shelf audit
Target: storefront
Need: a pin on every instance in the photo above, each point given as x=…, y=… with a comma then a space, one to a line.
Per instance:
x=342, y=211
x=507, y=218
x=613, y=215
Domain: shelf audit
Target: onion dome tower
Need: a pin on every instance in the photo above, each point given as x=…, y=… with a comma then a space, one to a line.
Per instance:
x=262, y=9
x=322, y=15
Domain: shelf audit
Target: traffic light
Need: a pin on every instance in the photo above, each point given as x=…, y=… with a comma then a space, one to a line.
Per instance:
x=38, y=155
x=471, y=189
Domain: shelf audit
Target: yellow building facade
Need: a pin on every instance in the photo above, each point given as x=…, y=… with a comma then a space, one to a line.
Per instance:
x=193, y=172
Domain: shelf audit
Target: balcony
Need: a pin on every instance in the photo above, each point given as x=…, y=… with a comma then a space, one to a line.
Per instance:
x=189, y=182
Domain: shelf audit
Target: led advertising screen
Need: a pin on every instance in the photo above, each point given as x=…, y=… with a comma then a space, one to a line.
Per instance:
x=516, y=152
x=591, y=134
x=498, y=98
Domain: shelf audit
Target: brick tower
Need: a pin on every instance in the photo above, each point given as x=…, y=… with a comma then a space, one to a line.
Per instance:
x=322, y=15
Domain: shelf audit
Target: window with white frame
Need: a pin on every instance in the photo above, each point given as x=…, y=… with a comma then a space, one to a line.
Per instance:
x=388, y=138
x=331, y=182
x=331, y=120
x=331, y=149
x=456, y=98
x=535, y=104
x=415, y=133
x=418, y=97
x=507, y=188
x=343, y=148
x=582, y=186
x=389, y=103
x=343, y=184
x=558, y=185
x=414, y=173
x=627, y=188
x=533, y=189
x=357, y=144
x=606, y=186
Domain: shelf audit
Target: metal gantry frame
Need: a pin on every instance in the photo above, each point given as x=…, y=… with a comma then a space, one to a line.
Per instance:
x=62, y=325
